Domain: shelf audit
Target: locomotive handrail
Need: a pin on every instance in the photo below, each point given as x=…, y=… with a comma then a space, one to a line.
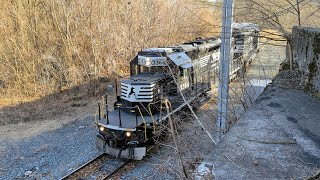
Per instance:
x=98, y=112
x=144, y=122
x=150, y=112
x=102, y=105
x=95, y=117
x=107, y=107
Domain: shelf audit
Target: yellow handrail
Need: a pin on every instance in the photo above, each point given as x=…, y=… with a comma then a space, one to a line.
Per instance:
x=95, y=117
x=145, y=124
x=169, y=104
x=144, y=121
x=149, y=108
x=102, y=107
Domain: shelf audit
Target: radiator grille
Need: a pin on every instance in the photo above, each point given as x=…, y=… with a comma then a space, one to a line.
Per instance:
x=137, y=92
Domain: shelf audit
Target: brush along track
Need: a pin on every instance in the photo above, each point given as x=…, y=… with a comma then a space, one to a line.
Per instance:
x=101, y=167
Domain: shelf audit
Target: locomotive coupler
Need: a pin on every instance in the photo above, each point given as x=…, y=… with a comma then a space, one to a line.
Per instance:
x=132, y=146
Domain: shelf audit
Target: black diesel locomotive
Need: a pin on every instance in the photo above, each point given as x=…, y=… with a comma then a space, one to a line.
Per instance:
x=166, y=76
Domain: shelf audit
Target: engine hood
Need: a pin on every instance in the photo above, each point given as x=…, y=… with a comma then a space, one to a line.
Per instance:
x=140, y=88
x=144, y=79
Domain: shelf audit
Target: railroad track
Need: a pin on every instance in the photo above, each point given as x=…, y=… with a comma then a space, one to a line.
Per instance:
x=101, y=167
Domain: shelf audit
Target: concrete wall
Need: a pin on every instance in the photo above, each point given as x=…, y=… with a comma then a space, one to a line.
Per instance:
x=306, y=55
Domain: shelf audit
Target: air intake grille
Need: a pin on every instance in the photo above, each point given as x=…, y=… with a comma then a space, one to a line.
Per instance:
x=137, y=92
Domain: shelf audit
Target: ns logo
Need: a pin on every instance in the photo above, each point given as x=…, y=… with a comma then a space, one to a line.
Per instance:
x=133, y=93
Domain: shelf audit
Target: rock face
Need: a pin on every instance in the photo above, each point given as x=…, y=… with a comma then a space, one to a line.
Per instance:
x=306, y=55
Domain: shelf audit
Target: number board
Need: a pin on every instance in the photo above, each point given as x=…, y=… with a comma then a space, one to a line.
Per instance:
x=151, y=61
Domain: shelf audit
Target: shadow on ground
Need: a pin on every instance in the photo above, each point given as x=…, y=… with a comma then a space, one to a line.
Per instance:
x=68, y=102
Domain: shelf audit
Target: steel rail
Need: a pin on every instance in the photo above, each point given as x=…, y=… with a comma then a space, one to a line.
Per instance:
x=109, y=175
x=82, y=166
x=98, y=173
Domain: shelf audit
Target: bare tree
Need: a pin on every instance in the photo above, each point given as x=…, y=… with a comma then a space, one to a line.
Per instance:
x=49, y=46
x=279, y=15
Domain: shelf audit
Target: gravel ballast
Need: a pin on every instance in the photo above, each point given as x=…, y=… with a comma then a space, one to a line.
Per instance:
x=50, y=154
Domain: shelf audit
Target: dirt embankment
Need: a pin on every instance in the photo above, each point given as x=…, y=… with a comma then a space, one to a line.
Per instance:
x=79, y=100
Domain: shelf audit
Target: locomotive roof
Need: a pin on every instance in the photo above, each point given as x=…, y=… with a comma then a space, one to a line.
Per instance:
x=214, y=38
x=143, y=79
x=245, y=26
x=180, y=58
x=188, y=47
x=176, y=48
x=201, y=43
x=211, y=44
x=152, y=53
x=201, y=40
x=159, y=50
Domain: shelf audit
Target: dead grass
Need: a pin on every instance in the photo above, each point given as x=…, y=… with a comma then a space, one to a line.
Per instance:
x=293, y=79
x=15, y=101
x=50, y=46
x=317, y=95
x=289, y=79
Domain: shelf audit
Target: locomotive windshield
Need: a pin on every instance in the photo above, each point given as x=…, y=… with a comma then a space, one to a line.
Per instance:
x=138, y=69
x=239, y=40
x=152, y=70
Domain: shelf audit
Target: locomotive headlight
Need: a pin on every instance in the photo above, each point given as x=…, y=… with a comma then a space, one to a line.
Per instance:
x=128, y=134
x=101, y=128
x=148, y=62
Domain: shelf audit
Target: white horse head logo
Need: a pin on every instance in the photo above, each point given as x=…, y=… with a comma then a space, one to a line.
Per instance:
x=133, y=93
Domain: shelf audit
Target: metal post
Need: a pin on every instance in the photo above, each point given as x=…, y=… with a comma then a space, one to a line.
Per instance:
x=224, y=64
x=136, y=110
x=99, y=110
x=116, y=84
x=107, y=111
x=120, y=124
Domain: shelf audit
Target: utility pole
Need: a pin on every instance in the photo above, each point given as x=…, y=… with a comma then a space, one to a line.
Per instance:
x=224, y=64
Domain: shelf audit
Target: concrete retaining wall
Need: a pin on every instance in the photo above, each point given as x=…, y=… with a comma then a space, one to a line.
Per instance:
x=306, y=55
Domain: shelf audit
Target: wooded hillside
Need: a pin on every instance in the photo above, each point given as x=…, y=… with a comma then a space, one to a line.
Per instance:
x=51, y=45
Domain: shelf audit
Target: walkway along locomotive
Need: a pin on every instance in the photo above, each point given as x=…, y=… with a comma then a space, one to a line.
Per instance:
x=175, y=75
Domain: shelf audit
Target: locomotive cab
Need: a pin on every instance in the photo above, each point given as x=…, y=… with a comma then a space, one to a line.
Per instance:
x=148, y=72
